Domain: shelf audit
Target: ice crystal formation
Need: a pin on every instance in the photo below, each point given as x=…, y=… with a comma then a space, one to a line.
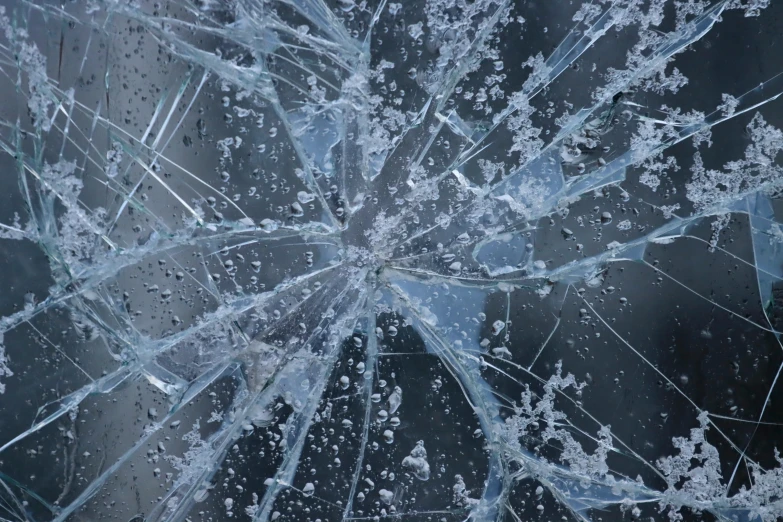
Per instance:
x=437, y=260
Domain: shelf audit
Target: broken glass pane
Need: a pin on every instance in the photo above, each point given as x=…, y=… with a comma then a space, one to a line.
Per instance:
x=441, y=260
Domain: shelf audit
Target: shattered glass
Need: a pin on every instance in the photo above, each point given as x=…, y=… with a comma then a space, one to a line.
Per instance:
x=440, y=260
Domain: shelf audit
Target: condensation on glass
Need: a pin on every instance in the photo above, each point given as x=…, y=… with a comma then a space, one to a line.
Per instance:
x=437, y=260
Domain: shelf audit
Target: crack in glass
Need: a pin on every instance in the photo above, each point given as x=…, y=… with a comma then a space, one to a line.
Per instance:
x=444, y=260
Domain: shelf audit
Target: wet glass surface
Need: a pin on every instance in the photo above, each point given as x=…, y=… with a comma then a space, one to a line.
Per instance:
x=441, y=260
